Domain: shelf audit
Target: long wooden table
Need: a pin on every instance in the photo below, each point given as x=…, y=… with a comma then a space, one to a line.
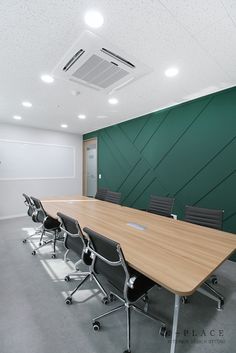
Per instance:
x=178, y=255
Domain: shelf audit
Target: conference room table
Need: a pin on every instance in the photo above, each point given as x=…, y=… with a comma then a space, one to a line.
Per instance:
x=177, y=255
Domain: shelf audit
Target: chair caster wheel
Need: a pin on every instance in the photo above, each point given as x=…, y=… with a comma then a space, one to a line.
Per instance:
x=112, y=298
x=67, y=278
x=68, y=300
x=53, y=256
x=33, y=252
x=127, y=351
x=184, y=300
x=163, y=331
x=214, y=280
x=24, y=241
x=96, y=326
x=40, y=243
x=105, y=300
x=220, y=304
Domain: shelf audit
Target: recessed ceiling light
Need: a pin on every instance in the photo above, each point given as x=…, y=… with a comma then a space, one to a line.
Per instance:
x=47, y=78
x=101, y=116
x=64, y=126
x=27, y=104
x=93, y=19
x=82, y=116
x=171, y=72
x=17, y=117
x=113, y=100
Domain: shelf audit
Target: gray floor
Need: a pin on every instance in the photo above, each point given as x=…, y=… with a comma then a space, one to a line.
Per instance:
x=35, y=319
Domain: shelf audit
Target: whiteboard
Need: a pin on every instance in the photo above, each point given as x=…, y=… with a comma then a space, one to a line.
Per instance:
x=29, y=160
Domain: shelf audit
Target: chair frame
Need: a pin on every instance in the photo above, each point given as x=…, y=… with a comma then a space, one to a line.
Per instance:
x=29, y=203
x=115, y=194
x=126, y=303
x=206, y=289
x=87, y=275
x=55, y=231
x=159, y=212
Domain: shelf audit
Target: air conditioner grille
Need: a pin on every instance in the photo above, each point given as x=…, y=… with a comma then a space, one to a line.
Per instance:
x=99, y=72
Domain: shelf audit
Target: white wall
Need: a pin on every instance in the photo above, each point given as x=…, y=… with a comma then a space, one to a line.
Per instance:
x=11, y=200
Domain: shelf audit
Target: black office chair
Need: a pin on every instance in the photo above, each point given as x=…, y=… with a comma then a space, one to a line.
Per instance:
x=129, y=285
x=204, y=217
x=49, y=224
x=101, y=194
x=161, y=205
x=213, y=219
x=76, y=241
x=29, y=204
x=113, y=197
x=31, y=213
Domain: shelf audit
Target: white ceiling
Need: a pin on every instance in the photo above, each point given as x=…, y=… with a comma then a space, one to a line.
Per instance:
x=199, y=37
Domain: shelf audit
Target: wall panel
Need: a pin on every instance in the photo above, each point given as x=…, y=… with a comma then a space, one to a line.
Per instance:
x=186, y=151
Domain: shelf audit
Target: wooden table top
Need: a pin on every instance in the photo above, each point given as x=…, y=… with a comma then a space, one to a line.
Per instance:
x=175, y=254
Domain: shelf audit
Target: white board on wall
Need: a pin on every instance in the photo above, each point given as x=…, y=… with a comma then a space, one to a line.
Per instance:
x=29, y=160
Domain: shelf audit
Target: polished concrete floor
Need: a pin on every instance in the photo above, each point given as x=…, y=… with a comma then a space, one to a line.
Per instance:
x=35, y=319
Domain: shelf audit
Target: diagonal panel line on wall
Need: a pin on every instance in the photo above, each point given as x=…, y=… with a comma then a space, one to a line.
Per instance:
x=155, y=130
x=204, y=166
x=184, y=132
x=127, y=176
x=126, y=196
x=215, y=187
x=136, y=131
x=230, y=216
x=143, y=191
x=134, y=153
x=140, y=131
x=113, y=155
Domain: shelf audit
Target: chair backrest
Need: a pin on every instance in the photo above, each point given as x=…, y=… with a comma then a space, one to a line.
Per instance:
x=161, y=205
x=109, y=259
x=28, y=202
x=113, y=197
x=41, y=213
x=204, y=216
x=74, y=239
x=101, y=194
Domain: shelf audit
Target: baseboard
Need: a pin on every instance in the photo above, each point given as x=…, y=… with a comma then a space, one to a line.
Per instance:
x=13, y=216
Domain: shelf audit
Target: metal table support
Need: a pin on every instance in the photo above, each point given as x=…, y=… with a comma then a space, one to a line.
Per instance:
x=175, y=323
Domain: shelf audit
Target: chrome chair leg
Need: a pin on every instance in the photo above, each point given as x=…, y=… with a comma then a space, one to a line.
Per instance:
x=127, y=308
x=108, y=312
x=154, y=318
x=211, y=293
x=100, y=286
x=65, y=256
x=68, y=300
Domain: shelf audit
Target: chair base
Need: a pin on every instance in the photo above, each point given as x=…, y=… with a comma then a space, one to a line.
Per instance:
x=56, y=236
x=37, y=231
x=128, y=307
x=91, y=276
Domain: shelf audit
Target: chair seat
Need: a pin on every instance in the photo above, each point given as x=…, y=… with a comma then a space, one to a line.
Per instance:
x=142, y=285
x=51, y=223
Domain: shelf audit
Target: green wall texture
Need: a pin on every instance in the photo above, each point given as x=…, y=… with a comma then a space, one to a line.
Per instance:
x=186, y=151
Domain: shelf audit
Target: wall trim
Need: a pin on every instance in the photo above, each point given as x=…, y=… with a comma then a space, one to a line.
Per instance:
x=13, y=216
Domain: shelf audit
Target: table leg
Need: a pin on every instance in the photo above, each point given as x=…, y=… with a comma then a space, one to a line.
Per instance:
x=175, y=323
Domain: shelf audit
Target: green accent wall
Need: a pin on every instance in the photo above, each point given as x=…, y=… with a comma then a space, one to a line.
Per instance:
x=187, y=151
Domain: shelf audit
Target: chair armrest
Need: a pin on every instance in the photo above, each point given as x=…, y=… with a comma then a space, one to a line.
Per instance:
x=131, y=281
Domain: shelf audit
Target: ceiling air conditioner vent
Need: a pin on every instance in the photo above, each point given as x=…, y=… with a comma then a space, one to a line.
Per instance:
x=97, y=67
x=73, y=60
x=117, y=57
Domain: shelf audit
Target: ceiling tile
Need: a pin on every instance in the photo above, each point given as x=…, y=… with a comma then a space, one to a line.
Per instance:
x=196, y=15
